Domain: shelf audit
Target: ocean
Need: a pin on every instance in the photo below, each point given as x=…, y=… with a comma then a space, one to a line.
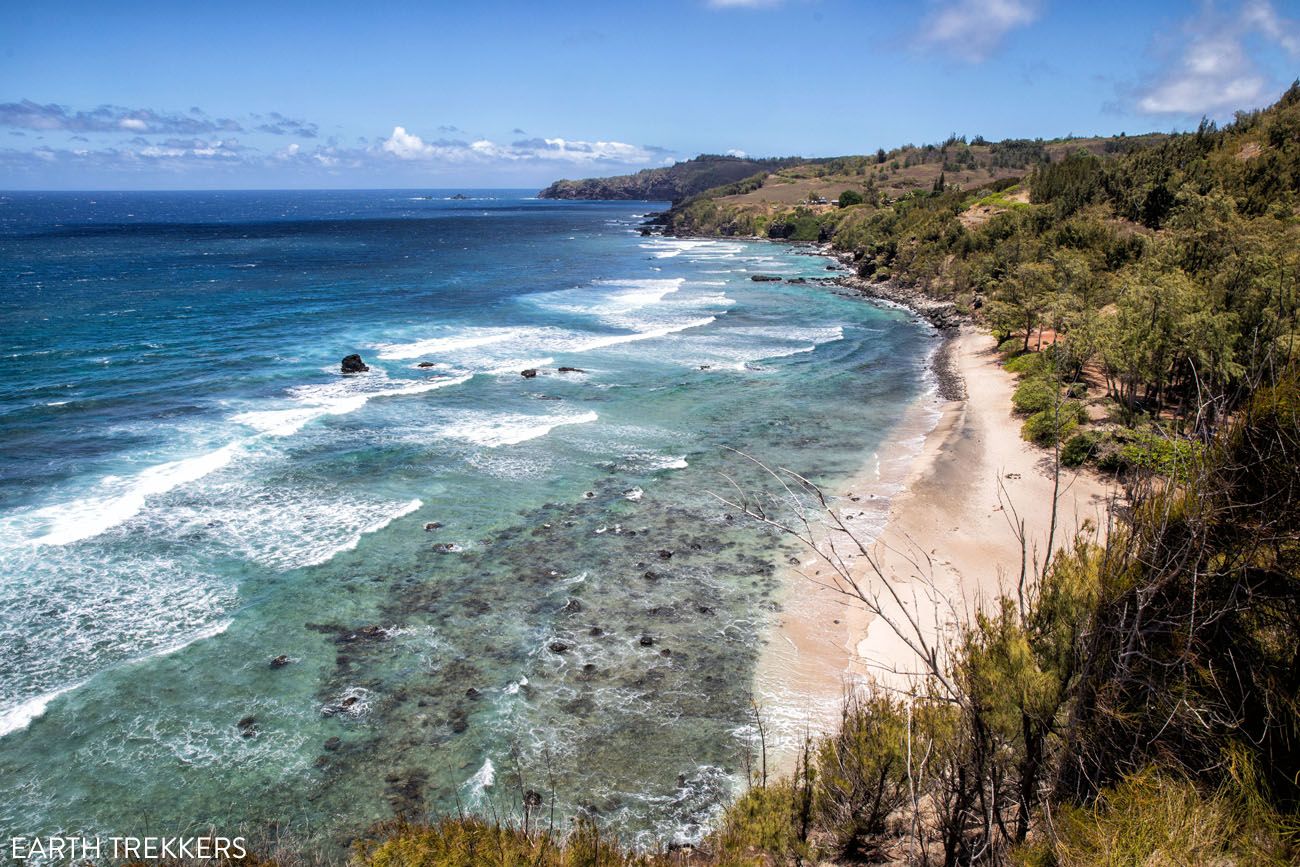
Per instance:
x=238, y=587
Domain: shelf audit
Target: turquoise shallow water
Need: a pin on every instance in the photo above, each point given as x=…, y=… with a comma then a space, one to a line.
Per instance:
x=190, y=489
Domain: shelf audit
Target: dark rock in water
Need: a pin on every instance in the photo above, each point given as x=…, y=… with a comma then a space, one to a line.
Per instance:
x=280, y=661
x=647, y=641
x=532, y=799
x=681, y=781
x=764, y=278
x=365, y=633
x=348, y=702
x=651, y=575
x=596, y=632
x=353, y=364
x=706, y=610
x=557, y=647
x=572, y=370
x=665, y=652
x=799, y=281
x=247, y=727
x=573, y=606
x=589, y=495
x=446, y=548
x=425, y=364
x=472, y=694
x=665, y=554
x=706, y=366
x=529, y=373
x=433, y=525
x=333, y=744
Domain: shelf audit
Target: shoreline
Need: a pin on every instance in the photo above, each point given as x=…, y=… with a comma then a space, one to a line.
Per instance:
x=947, y=543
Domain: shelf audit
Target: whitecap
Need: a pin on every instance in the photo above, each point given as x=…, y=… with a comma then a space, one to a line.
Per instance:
x=494, y=430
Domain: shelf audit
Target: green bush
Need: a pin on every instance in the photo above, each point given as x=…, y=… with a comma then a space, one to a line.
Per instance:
x=1079, y=449
x=1027, y=363
x=1048, y=427
x=1034, y=394
x=849, y=198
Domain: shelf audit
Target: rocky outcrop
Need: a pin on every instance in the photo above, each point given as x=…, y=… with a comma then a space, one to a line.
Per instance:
x=353, y=364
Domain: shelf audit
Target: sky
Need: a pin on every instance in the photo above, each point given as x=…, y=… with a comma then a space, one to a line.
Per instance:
x=497, y=93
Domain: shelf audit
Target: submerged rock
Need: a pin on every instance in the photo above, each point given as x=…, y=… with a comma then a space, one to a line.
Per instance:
x=447, y=548
x=353, y=364
x=280, y=661
x=572, y=370
x=433, y=525
x=557, y=647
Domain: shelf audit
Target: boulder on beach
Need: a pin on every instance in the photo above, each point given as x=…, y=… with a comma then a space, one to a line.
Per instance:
x=353, y=364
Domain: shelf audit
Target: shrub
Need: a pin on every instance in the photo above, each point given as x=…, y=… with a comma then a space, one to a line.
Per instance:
x=862, y=774
x=849, y=198
x=1048, y=427
x=1034, y=394
x=1027, y=363
x=1079, y=449
x=1152, y=818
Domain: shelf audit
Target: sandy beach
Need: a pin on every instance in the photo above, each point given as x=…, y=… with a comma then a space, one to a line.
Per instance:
x=949, y=544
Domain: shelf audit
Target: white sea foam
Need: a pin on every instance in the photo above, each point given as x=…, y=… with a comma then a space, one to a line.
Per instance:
x=469, y=339
x=493, y=430
x=483, y=779
x=20, y=716
x=355, y=538
x=89, y=516
x=338, y=398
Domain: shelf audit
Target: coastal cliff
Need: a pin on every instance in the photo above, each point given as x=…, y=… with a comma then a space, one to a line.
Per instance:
x=674, y=183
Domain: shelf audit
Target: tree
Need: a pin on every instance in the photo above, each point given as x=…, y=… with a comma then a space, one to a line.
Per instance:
x=850, y=197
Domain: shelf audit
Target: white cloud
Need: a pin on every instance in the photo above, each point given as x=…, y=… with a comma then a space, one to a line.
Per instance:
x=403, y=145
x=973, y=30
x=1215, y=71
x=409, y=146
x=737, y=152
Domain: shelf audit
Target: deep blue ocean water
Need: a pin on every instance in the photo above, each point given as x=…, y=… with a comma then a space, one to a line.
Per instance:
x=190, y=488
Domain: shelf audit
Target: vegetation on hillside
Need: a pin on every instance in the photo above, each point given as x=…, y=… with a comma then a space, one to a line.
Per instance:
x=669, y=183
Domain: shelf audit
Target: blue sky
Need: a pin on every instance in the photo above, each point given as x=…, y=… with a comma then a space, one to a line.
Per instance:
x=136, y=95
